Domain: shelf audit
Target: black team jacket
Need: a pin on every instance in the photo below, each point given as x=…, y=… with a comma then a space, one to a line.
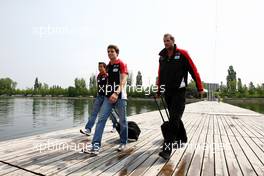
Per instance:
x=174, y=70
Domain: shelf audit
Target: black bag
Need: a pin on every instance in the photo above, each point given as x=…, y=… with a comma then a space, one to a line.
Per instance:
x=166, y=128
x=133, y=129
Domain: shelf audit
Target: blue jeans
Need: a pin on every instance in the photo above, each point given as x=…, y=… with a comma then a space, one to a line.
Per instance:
x=107, y=106
x=96, y=108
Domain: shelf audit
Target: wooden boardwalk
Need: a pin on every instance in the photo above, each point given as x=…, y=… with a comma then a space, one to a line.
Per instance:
x=223, y=140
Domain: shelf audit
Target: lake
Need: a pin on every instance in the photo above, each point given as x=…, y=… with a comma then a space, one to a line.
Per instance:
x=254, y=104
x=21, y=117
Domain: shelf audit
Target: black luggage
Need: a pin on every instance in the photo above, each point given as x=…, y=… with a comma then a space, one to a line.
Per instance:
x=133, y=129
x=167, y=131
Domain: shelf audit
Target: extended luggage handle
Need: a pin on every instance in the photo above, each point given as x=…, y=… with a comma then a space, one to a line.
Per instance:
x=163, y=103
x=165, y=107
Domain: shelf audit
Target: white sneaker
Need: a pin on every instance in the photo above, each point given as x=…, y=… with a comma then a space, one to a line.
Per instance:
x=131, y=140
x=87, y=132
x=121, y=147
x=113, y=130
x=94, y=151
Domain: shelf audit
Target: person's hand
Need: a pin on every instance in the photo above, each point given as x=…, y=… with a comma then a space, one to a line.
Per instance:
x=113, y=98
x=201, y=93
x=157, y=95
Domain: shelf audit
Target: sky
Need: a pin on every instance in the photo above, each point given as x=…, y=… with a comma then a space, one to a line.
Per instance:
x=59, y=40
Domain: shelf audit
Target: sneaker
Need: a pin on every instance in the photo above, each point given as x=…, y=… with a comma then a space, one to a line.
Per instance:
x=121, y=147
x=87, y=132
x=164, y=155
x=131, y=140
x=113, y=130
x=92, y=151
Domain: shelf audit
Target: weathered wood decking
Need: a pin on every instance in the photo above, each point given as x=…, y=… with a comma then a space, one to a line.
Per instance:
x=234, y=139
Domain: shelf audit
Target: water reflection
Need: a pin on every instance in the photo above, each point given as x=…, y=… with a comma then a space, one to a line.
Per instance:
x=252, y=104
x=79, y=109
x=6, y=111
x=27, y=116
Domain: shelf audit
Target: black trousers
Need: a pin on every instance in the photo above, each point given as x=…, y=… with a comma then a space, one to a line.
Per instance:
x=175, y=100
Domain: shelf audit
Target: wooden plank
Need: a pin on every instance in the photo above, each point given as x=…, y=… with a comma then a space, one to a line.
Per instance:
x=4, y=166
x=172, y=164
x=207, y=168
x=105, y=156
x=72, y=164
x=250, y=153
x=159, y=164
x=239, y=130
x=121, y=167
x=253, y=141
x=68, y=159
x=149, y=162
x=251, y=128
x=33, y=161
x=112, y=157
x=140, y=161
x=186, y=160
x=23, y=142
x=21, y=172
x=244, y=164
x=33, y=149
x=198, y=156
x=78, y=165
x=65, y=133
x=102, y=160
x=219, y=155
x=254, y=124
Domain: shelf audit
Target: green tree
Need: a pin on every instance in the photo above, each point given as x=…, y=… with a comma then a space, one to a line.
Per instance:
x=92, y=85
x=44, y=90
x=7, y=86
x=251, y=89
x=259, y=91
x=240, y=91
x=36, y=84
x=139, y=79
x=231, y=81
x=80, y=86
x=130, y=79
x=72, y=92
x=239, y=85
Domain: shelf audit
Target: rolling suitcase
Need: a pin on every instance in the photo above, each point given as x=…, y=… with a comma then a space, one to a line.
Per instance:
x=167, y=131
x=133, y=128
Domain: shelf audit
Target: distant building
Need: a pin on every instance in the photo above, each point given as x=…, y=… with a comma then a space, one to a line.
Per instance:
x=211, y=88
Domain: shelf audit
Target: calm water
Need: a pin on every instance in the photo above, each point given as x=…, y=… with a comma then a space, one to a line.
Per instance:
x=27, y=116
x=21, y=117
x=256, y=104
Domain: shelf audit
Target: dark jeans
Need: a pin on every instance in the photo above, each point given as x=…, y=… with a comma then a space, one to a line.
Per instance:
x=175, y=99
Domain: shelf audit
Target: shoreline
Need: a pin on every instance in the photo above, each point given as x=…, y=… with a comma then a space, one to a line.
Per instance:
x=61, y=97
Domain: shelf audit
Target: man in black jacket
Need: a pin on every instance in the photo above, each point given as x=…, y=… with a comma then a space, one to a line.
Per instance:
x=174, y=66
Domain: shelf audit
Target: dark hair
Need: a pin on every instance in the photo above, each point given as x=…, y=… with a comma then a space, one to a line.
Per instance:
x=169, y=35
x=104, y=64
x=113, y=47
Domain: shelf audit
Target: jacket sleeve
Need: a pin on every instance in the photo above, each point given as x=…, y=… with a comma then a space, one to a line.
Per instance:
x=193, y=71
x=158, y=80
